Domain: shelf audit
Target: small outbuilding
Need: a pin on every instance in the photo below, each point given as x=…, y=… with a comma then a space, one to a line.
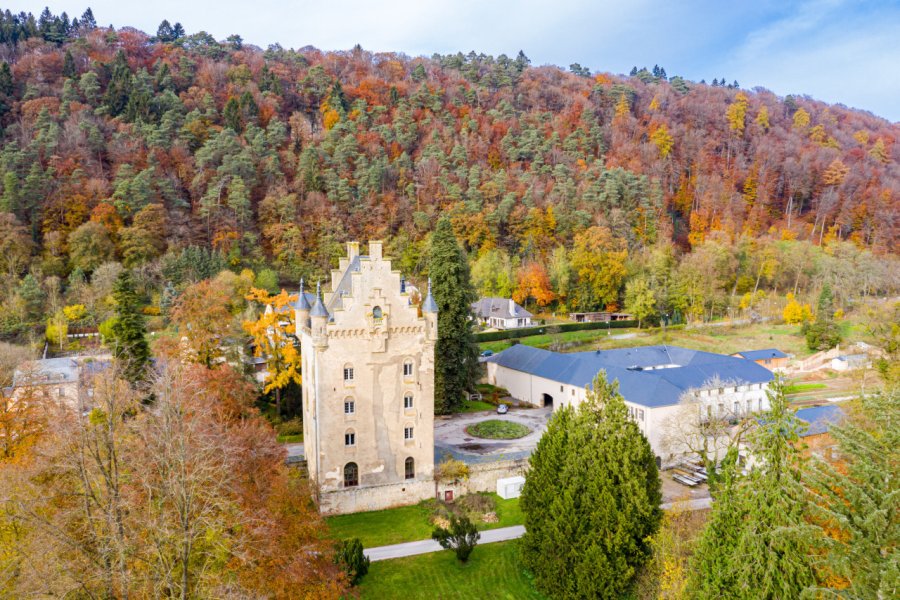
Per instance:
x=850, y=361
x=510, y=487
x=770, y=358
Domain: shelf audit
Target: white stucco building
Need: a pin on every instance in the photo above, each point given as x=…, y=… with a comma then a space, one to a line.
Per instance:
x=501, y=313
x=653, y=380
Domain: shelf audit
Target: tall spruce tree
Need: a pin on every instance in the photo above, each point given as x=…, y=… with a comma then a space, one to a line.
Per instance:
x=747, y=549
x=130, y=347
x=591, y=499
x=855, y=529
x=456, y=355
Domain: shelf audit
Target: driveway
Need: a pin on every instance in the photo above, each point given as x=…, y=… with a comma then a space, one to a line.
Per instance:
x=450, y=435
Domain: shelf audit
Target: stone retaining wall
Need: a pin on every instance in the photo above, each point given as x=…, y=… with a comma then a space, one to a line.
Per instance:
x=482, y=478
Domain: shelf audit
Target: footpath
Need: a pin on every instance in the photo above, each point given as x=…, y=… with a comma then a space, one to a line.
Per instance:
x=489, y=536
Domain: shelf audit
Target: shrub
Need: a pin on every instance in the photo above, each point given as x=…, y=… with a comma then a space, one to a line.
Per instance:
x=461, y=537
x=291, y=427
x=822, y=335
x=349, y=555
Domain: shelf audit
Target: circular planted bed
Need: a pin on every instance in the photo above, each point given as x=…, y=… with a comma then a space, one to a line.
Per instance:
x=495, y=429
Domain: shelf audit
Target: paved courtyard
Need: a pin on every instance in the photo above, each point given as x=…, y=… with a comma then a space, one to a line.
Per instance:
x=450, y=435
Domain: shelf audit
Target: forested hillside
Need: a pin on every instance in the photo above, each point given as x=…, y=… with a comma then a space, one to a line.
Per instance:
x=180, y=155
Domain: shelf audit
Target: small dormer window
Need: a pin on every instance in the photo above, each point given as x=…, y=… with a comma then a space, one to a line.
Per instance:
x=377, y=314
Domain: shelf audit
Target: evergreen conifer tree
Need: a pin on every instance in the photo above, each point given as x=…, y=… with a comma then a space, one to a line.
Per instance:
x=591, y=499
x=855, y=532
x=746, y=549
x=6, y=80
x=456, y=355
x=69, y=65
x=130, y=346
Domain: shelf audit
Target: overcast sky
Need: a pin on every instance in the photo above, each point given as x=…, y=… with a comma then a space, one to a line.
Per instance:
x=845, y=51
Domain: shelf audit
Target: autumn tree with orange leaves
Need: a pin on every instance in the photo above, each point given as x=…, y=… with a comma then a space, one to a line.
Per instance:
x=273, y=338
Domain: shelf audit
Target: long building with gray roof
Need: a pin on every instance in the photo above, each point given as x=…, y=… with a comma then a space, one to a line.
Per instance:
x=653, y=380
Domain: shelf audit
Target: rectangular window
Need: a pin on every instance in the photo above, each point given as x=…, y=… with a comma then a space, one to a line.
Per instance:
x=737, y=407
x=407, y=402
x=348, y=373
x=62, y=392
x=407, y=433
x=407, y=369
x=349, y=407
x=350, y=439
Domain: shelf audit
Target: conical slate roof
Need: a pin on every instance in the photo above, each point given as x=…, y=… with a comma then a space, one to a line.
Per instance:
x=302, y=300
x=429, y=306
x=319, y=309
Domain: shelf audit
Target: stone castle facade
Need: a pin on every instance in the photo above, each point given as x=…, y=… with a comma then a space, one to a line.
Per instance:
x=368, y=386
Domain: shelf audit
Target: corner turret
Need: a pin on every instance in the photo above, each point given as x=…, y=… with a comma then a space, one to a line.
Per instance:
x=302, y=309
x=430, y=312
x=319, y=318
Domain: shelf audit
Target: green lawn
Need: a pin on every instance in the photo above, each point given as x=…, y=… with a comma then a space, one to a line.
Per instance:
x=795, y=388
x=476, y=406
x=409, y=523
x=494, y=571
x=384, y=527
x=290, y=439
x=495, y=429
x=724, y=339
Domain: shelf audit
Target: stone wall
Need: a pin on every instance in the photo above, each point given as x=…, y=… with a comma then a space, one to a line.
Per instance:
x=483, y=477
x=374, y=497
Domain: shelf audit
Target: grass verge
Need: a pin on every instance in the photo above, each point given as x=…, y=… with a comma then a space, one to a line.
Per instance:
x=410, y=523
x=493, y=571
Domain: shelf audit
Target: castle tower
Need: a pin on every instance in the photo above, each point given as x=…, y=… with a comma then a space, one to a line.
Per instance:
x=368, y=387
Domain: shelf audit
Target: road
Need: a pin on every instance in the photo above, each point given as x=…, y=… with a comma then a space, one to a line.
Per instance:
x=427, y=546
x=491, y=535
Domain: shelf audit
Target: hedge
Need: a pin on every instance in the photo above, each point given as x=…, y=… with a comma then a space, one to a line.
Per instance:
x=508, y=334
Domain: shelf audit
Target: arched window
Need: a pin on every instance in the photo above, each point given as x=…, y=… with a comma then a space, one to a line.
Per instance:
x=351, y=475
x=407, y=402
x=377, y=314
x=410, y=468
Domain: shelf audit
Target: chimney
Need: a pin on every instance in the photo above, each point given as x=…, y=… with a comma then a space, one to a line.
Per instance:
x=374, y=250
x=352, y=250
x=512, y=307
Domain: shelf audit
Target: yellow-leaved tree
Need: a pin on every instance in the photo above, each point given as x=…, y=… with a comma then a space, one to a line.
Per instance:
x=801, y=119
x=273, y=339
x=762, y=118
x=795, y=313
x=736, y=113
x=663, y=140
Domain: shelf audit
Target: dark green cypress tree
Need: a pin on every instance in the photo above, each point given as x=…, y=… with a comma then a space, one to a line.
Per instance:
x=232, y=115
x=748, y=549
x=6, y=80
x=119, y=89
x=855, y=531
x=69, y=65
x=456, y=355
x=591, y=499
x=130, y=347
